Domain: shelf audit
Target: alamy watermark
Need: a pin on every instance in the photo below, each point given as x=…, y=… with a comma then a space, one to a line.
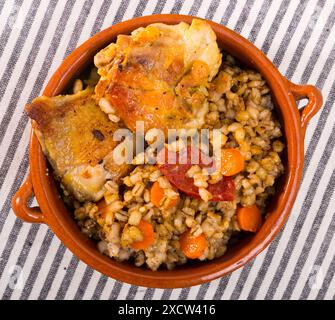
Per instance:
x=16, y=17
x=183, y=146
x=316, y=277
x=15, y=277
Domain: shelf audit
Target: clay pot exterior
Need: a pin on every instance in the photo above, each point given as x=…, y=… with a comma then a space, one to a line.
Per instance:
x=53, y=212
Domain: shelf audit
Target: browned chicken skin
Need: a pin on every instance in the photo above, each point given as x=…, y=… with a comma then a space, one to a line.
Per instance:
x=159, y=74
x=76, y=136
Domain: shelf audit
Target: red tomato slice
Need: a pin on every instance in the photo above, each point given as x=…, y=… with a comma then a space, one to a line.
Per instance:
x=224, y=190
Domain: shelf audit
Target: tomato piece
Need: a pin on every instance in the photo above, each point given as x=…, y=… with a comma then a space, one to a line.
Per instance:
x=224, y=190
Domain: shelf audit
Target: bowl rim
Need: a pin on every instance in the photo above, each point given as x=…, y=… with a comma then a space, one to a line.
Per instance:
x=49, y=203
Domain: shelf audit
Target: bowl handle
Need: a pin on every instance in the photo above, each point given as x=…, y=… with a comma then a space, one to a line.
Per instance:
x=313, y=94
x=19, y=203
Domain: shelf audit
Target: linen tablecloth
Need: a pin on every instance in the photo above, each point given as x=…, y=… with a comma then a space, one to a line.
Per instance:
x=298, y=36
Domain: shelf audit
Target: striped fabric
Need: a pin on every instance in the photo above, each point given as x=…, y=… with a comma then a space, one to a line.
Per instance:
x=297, y=35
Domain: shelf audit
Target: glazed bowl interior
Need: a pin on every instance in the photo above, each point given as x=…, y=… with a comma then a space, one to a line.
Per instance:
x=194, y=272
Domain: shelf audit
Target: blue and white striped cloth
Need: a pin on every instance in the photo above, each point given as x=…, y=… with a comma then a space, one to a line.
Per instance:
x=297, y=35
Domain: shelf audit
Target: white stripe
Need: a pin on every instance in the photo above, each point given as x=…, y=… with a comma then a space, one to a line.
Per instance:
x=295, y=211
x=108, y=289
x=32, y=256
x=85, y=34
x=220, y=10
x=252, y=16
x=45, y=268
x=75, y=281
x=203, y=9
x=9, y=223
x=258, y=260
x=330, y=295
x=307, y=225
x=6, y=10
x=15, y=29
x=60, y=274
x=161, y=294
x=302, y=238
x=175, y=294
x=289, y=14
x=235, y=16
x=25, y=137
x=9, y=51
x=328, y=257
x=11, y=262
x=141, y=292
x=123, y=292
x=267, y=23
x=193, y=292
x=214, y=286
x=185, y=9
x=296, y=36
x=315, y=249
x=297, y=206
x=25, y=92
x=168, y=6
x=19, y=241
x=247, y=286
x=150, y=7
x=231, y=284
x=158, y=293
x=110, y=16
x=305, y=55
x=91, y=286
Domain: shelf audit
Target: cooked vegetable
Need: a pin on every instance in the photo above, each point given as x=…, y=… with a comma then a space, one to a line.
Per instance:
x=192, y=247
x=148, y=236
x=224, y=190
x=249, y=218
x=232, y=162
x=102, y=208
x=157, y=195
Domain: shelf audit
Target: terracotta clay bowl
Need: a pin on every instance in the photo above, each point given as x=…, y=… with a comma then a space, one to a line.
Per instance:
x=53, y=212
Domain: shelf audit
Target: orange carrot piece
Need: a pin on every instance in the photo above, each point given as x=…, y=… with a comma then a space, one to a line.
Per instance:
x=157, y=195
x=103, y=208
x=249, y=218
x=192, y=247
x=232, y=162
x=148, y=236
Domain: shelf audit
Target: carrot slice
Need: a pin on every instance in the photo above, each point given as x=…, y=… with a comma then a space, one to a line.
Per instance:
x=148, y=236
x=192, y=247
x=103, y=208
x=232, y=162
x=157, y=195
x=249, y=218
